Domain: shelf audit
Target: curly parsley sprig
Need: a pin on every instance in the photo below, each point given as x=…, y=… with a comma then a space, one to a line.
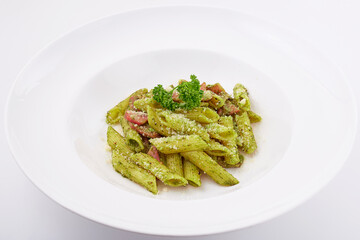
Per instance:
x=189, y=93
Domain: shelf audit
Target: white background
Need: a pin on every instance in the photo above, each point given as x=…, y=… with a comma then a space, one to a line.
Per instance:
x=27, y=25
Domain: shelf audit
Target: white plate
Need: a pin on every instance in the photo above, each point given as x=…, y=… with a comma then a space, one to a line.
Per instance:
x=56, y=125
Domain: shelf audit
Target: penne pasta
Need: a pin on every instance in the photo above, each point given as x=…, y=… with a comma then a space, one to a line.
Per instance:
x=143, y=103
x=201, y=115
x=244, y=129
x=156, y=123
x=220, y=132
x=179, y=143
x=121, y=162
x=192, y=174
x=216, y=149
x=175, y=163
x=233, y=157
x=254, y=118
x=123, y=165
x=241, y=97
x=210, y=167
x=183, y=125
x=159, y=170
x=216, y=101
x=221, y=162
x=113, y=114
x=116, y=141
x=133, y=138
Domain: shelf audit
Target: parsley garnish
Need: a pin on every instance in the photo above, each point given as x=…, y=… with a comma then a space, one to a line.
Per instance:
x=189, y=93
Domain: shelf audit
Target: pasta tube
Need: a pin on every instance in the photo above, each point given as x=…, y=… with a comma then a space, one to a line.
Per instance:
x=143, y=103
x=159, y=170
x=204, y=104
x=217, y=149
x=210, y=167
x=192, y=174
x=179, y=143
x=254, y=117
x=248, y=143
x=221, y=162
x=121, y=162
x=116, y=141
x=183, y=125
x=156, y=123
x=175, y=163
x=216, y=101
x=220, y=132
x=202, y=115
x=133, y=172
x=113, y=114
x=133, y=138
x=233, y=158
x=241, y=97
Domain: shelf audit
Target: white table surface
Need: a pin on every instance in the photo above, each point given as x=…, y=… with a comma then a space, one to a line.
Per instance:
x=26, y=26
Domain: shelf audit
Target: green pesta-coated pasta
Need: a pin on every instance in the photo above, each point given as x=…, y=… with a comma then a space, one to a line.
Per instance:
x=220, y=132
x=216, y=101
x=113, y=114
x=163, y=158
x=248, y=143
x=239, y=141
x=254, y=118
x=210, y=167
x=179, y=143
x=233, y=158
x=121, y=162
x=224, y=95
x=201, y=115
x=216, y=149
x=143, y=103
x=175, y=163
x=207, y=95
x=116, y=141
x=220, y=160
x=192, y=174
x=133, y=138
x=204, y=104
x=156, y=123
x=159, y=170
x=128, y=169
x=241, y=97
x=183, y=125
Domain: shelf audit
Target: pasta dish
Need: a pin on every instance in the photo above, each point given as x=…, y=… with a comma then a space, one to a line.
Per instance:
x=178, y=133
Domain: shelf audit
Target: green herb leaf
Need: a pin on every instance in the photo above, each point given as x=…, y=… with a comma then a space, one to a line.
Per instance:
x=189, y=93
x=164, y=98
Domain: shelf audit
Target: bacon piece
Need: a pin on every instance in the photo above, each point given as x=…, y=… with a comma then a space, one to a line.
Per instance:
x=154, y=153
x=220, y=111
x=144, y=130
x=203, y=86
x=146, y=143
x=215, y=88
x=132, y=99
x=138, y=118
x=229, y=109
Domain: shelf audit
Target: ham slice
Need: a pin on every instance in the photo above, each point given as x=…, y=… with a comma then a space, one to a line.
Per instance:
x=138, y=118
